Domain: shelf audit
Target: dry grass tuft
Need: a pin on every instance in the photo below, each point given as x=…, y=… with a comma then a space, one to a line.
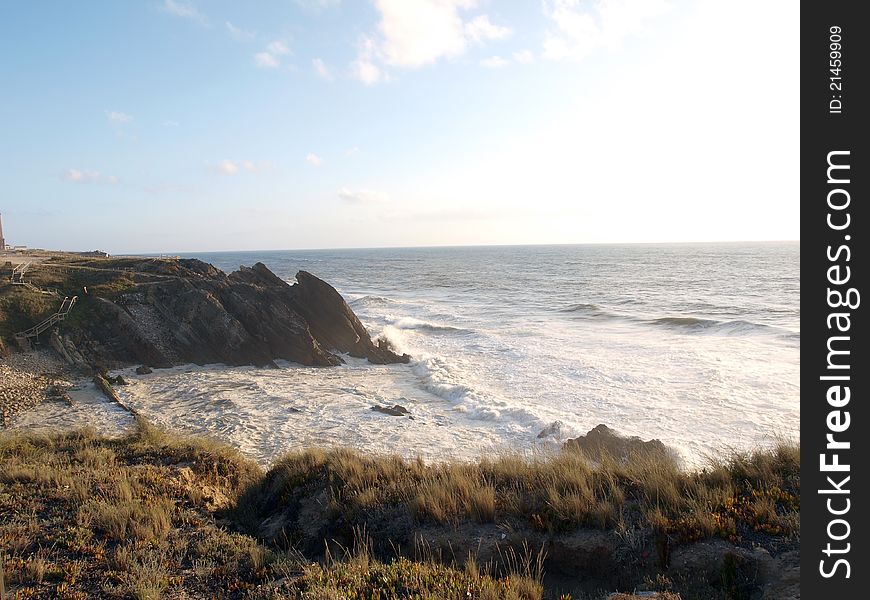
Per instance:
x=558, y=492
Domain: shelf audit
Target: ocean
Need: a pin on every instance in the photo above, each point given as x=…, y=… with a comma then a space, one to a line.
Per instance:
x=695, y=344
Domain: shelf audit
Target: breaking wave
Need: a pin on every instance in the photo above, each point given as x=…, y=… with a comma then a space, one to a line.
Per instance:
x=438, y=376
x=586, y=309
x=733, y=327
x=371, y=300
x=684, y=324
x=412, y=323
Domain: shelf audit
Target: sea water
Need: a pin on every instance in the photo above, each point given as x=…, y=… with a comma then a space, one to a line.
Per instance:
x=695, y=344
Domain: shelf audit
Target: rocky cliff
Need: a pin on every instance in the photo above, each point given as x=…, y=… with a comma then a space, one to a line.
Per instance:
x=187, y=311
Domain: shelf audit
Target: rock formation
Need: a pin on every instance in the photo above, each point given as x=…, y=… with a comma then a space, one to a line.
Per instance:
x=396, y=410
x=334, y=324
x=195, y=313
x=602, y=439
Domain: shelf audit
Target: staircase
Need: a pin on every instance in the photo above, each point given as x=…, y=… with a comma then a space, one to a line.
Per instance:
x=60, y=315
x=18, y=279
x=18, y=273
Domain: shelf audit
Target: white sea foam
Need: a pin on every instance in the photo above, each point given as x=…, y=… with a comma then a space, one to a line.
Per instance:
x=89, y=408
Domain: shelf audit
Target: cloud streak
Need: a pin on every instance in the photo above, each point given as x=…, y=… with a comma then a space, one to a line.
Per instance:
x=118, y=117
x=270, y=58
x=185, y=10
x=322, y=70
x=481, y=30
x=362, y=196
x=239, y=34
x=234, y=167
x=81, y=176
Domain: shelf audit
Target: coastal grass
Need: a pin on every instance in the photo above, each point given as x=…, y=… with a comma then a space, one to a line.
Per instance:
x=153, y=515
x=21, y=308
x=752, y=492
x=145, y=516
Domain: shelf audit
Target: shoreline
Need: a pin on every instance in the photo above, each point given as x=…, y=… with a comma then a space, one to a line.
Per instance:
x=71, y=400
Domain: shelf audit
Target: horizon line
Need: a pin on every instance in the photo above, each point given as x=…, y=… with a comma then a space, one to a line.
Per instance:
x=436, y=246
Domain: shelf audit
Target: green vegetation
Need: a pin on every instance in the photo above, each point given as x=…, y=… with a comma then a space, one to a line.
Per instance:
x=151, y=515
x=21, y=308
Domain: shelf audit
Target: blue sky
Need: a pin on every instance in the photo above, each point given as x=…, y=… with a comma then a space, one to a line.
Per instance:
x=176, y=125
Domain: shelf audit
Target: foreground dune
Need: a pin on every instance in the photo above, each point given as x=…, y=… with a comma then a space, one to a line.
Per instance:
x=152, y=515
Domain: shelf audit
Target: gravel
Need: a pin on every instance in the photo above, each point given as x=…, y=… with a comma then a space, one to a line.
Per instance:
x=29, y=378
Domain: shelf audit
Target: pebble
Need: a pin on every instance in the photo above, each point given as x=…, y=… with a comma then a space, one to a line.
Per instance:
x=29, y=378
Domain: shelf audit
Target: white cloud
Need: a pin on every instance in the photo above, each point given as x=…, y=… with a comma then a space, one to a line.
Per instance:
x=524, y=57
x=362, y=196
x=321, y=69
x=314, y=160
x=118, y=117
x=79, y=176
x=494, y=62
x=352, y=151
x=414, y=33
x=266, y=60
x=185, y=10
x=239, y=34
x=364, y=67
x=582, y=28
x=234, y=167
x=170, y=123
x=253, y=167
x=278, y=48
x=228, y=167
x=480, y=29
x=419, y=32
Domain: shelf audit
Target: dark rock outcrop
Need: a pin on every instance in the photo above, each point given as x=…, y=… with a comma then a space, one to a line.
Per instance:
x=602, y=439
x=334, y=324
x=192, y=312
x=397, y=410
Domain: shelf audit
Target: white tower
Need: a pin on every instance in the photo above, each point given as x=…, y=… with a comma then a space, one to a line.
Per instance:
x=2, y=241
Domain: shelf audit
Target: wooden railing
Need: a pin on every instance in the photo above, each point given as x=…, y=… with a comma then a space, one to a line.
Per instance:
x=60, y=315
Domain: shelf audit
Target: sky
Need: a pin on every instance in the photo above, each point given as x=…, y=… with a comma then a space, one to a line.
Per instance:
x=205, y=125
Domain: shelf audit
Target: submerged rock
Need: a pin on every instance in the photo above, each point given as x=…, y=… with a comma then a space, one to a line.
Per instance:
x=143, y=370
x=554, y=429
